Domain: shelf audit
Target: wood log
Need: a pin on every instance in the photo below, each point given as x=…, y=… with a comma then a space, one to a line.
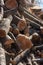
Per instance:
x=20, y=63
x=35, y=38
x=10, y=4
x=24, y=42
x=22, y=25
x=30, y=16
x=2, y=56
x=15, y=30
x=33, y=57
x=22, y=2
x=41, y=30
x=2, y=10
x=15, y=46
x=11, y=29
x=20, y=22
x=7, y=41
x=19, y=56
x=26, y=31
x=1, y=14
x=5, y=26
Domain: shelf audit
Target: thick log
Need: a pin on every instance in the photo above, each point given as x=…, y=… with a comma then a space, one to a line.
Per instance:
x=24, y=42
x=5, y=26
x=7, y=41
x=2, y=10
x=10, y=4
x=2, y=56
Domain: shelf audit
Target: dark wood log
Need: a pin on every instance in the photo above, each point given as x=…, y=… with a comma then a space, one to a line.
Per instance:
x=15, y=30
x=36, y=39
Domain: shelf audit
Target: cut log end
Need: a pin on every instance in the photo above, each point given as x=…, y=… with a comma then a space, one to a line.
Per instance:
x=21, y=25
x=2, y=33
x=24, y=42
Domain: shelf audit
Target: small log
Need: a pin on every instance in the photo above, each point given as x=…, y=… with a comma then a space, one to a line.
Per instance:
x=26, y=31
x=36, y=38
x=41, y=30
x=21, y=25
x=1, y=14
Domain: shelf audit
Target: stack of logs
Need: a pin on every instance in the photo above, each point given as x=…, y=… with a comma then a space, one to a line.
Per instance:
x=22, y=40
